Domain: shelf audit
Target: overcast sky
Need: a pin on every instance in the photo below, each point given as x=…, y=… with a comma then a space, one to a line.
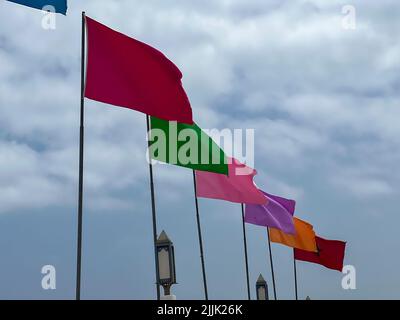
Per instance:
x=325, y=104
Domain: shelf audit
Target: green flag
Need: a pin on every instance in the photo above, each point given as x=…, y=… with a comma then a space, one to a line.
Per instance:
x=186, y=146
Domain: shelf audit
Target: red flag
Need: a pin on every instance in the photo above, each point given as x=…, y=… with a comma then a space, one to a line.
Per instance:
x=128, y=73
x=330, y=254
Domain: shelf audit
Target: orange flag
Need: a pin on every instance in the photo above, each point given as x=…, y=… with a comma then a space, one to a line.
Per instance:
x=303, y=239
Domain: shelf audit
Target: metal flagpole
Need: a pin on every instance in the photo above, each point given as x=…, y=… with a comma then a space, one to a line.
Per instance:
x=245, y=254
x=80, y=201
x=295, y=276
x=200, y=238
x=153, y=208
x=80, y=186
x=272, y=265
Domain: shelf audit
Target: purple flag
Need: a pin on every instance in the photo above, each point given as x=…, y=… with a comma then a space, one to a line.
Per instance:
x=277, y=213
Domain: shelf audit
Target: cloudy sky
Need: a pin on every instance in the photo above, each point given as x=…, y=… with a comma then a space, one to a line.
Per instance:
x=325, y=105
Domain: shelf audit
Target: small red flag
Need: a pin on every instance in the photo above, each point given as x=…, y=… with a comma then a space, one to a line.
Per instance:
x=128, y=73
x=330, y=254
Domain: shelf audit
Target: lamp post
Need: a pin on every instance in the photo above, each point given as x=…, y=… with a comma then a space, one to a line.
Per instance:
x=261, y=288
x=166, y=275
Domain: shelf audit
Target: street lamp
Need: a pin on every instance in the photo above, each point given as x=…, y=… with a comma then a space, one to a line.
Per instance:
x=166, y=276
x=261, y=288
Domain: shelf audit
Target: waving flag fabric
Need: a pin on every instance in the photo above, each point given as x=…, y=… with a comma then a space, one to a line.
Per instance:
x=330, y=254
x=304, y=237
x=60, y=6
x=237, y=187
x=128, y=73
x=186, y=146
x=277, y=213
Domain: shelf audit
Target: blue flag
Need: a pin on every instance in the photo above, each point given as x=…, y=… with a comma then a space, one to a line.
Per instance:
x=60, y=6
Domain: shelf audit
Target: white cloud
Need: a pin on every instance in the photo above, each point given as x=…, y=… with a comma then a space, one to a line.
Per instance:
x=363, y=187
x=313, y=91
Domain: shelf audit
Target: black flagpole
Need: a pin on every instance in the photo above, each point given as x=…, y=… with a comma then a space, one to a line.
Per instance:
x=153, y=208
x=245, y=254
x=272, y=264
x=81, y=140
x=203, y=268
x=295, y=275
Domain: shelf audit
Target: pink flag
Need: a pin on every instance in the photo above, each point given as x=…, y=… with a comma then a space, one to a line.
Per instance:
x=237, y=187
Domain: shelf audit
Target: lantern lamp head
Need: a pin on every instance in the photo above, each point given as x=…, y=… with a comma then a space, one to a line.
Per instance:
x=166, y=275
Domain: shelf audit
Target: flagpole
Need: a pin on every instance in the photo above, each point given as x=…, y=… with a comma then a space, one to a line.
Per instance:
x=272, y=264
x=245, y=254
x=153, y=208
x=80, y=185
x=203, y=268
x=295, y=275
